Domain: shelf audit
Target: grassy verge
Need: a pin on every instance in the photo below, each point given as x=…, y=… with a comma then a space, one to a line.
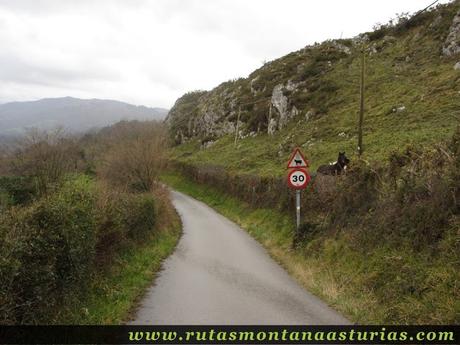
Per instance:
x=372, y=287
x=113, y=296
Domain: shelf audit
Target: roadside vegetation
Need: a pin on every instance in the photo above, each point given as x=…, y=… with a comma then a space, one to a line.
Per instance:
x=84, y=225
x=381, y=244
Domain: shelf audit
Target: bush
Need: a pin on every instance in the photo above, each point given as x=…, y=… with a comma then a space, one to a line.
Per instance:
x=139, y=215
x=46, y=158
x=357, y=193
x=17, y=190
x=122, y=218
x=49, y=248
x=46, y=252
x=311, y=70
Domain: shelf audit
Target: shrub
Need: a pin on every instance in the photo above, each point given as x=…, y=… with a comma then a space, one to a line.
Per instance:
x=46, y=157
x=49, y=248
x=122, y=218
x=380, y=30
x=5, y=201
x=111, y=234
x=17, y=189
x=46, y=252
x=356, y=194
x=138, y=218
x=424, y=193
x=311, y=70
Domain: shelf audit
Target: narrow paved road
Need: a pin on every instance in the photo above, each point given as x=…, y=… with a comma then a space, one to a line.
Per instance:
x=220, y=275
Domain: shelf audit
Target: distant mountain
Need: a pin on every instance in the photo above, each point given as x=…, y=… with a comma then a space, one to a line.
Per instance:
x=75, y=115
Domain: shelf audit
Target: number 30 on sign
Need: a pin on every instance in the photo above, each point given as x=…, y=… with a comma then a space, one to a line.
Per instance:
x=298, y=179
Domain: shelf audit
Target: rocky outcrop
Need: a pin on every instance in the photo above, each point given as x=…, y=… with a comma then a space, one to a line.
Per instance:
x=281, y=103
x=452, y=43
x=341, y=47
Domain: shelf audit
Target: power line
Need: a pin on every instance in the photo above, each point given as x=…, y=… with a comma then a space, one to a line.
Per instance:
x=434, y=3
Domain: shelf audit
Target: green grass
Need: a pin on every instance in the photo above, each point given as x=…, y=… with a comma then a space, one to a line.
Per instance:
x=113, y=296
x=367, y=287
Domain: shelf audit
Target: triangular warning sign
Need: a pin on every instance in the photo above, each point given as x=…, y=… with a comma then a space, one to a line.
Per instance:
x=297, y=160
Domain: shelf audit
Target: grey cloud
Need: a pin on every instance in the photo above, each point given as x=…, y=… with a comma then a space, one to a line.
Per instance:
x=147, y=51
x=14, y=69
x=49, y=6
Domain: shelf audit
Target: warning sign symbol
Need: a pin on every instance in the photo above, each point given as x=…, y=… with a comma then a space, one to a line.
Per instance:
x=297, y=160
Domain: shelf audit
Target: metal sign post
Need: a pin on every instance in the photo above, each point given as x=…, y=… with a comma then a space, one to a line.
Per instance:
x=297, y=207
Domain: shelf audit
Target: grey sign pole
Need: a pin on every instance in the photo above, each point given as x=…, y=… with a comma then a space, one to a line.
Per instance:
x=297, y=209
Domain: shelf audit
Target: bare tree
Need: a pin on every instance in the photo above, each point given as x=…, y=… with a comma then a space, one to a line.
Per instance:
x=45, y=156
x=136, y=157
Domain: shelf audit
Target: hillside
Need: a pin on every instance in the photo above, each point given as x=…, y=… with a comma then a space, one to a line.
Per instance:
x=310, y=98
x=76, y=115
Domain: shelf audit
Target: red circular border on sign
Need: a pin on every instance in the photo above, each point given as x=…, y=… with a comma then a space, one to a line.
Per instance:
x=307, y=178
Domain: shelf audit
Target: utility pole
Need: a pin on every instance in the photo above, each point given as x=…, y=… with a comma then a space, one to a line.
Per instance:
x=269, y=116
x=361, y=106
x=237, y=125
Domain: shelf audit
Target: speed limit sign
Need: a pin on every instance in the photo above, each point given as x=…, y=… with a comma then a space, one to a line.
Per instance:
x=298, y=178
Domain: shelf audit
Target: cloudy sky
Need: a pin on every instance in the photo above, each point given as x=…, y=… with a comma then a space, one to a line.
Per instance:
x=152, y=51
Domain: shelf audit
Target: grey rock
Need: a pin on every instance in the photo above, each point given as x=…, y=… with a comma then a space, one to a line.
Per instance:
x=291, y=86
x=281, y=104
x=279, y=100
x=272, y=126
x=360, y=40
x=341, y=47
x=254, y=91
x=310, y=114
x=457, y=66
x=452, y=43
x=373, y=49
x=208, y=144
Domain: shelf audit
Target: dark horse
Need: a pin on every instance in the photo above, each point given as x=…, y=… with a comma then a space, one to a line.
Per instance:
x=337, y=168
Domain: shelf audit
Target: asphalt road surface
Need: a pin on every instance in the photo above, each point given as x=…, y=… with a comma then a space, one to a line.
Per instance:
x=220, y=275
